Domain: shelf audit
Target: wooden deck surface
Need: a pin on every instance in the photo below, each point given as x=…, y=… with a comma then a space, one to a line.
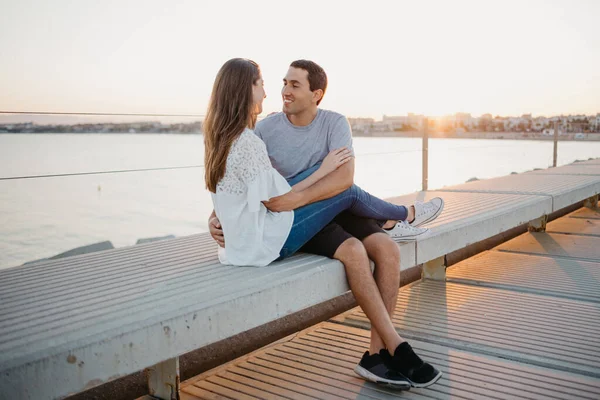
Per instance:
x=520, y=321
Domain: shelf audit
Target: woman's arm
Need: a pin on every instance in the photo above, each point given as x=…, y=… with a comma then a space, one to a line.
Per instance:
x=297, y=197
x=311, y=180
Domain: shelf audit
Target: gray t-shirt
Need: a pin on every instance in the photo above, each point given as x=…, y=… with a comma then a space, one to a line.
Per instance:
x=293, y=149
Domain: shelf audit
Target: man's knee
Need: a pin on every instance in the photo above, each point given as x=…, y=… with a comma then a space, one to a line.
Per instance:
x=352, y=252
x=382, y=249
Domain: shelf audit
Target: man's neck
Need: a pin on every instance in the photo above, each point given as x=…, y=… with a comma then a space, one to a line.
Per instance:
x=304, y=118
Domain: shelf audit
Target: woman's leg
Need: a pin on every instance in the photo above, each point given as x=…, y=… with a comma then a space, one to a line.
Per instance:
x=310, y=219
x=366, y=205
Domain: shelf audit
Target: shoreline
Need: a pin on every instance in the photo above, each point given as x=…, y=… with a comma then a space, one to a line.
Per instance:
x=591, y=137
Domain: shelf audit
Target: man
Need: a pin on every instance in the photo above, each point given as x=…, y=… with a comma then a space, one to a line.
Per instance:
x=299, y=138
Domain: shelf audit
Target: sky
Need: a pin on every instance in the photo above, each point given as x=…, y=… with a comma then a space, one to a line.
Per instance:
x=382, y=57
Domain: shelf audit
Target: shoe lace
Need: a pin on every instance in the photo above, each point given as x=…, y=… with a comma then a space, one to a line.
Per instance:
x=407, y=226
x=426, y=207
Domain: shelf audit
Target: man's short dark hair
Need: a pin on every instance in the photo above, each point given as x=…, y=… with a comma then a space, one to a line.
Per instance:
x=317, y=78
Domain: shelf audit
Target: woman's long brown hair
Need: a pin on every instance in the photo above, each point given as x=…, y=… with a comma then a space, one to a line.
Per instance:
x=230, y=110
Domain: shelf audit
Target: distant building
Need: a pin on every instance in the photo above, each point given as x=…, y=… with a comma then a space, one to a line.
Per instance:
x=395, y=122
x=462, y=120
x=539, y=123
x=361, y=124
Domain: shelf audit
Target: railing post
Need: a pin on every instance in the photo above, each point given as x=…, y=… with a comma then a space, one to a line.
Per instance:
x=435, y=269
x=592, y=202
x=555, y=143
x=163, y=380
x=538, y=224
x=425, y=147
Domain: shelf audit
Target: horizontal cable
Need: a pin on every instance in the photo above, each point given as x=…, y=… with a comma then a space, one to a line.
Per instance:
x=389, y=152
x=475, y=147
x=99, y=113
x=98, y=172
x=202, y=166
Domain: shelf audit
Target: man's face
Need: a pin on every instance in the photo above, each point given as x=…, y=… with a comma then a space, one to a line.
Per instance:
x=296, y=94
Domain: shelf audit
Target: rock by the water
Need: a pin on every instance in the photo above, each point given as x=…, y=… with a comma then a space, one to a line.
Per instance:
x=90, y=248
x=472, y=179
x=154, y=239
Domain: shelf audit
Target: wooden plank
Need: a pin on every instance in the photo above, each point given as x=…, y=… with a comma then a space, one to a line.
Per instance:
x=322, y=358
x=188, y=396
x=587, y=213
x=266, y=383
x=537, y=329
x=554, y=244
x=562, y=277
x=575, y=226
x=218, y=388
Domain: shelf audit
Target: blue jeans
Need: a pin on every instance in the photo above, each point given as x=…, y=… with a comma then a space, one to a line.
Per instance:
x=311, y=218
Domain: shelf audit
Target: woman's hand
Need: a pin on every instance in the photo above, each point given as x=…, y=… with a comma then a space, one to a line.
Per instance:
x=335, y=159
x=287, y=202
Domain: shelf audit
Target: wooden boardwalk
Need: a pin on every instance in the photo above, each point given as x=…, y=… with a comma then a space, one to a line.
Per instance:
x=521, y=321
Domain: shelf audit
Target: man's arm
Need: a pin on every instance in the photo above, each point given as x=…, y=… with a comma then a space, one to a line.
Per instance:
x=330, y=185
x=215, y=229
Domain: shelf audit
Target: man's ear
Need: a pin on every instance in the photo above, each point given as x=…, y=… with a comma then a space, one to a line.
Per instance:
x=318, y=95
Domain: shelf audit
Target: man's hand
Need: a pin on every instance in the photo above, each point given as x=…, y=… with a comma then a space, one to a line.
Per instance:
x=287, y=202
x=216, y=231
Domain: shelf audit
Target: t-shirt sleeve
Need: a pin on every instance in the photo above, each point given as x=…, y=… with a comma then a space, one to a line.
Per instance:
x=340, y=135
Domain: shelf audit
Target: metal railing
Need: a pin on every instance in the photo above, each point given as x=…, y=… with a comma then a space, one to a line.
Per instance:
x=424, y=148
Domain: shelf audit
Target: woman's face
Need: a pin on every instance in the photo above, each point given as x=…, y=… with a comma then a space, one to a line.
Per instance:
x=258, y=95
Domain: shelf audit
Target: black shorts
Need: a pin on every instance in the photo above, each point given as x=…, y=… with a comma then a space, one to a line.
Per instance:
x=343, y=227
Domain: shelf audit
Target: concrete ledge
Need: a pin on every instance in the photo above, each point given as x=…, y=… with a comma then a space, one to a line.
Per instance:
x=564, y=189
x=221, y=352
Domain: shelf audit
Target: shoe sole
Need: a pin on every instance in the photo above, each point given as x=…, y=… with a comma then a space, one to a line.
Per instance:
x=434, y=216
x=411, y=238
x=365, y=374
x=424, y=385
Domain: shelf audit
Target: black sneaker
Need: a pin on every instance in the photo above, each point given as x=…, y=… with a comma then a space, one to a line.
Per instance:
x=407, y=363
x=372, y=368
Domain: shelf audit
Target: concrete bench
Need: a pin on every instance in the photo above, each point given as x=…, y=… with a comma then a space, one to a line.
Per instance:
x=71, y=324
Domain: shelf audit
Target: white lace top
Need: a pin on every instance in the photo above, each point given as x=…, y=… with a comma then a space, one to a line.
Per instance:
x=254, y=235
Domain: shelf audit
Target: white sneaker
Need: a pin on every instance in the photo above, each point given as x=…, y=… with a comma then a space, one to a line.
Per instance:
x=403, y=232
x=428, y=211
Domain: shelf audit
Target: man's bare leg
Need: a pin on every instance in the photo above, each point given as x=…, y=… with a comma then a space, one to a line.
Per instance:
x=385, y=253
x=353, y=255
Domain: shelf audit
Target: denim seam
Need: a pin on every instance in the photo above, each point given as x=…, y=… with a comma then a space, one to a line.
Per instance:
x=322, y=209
x=367, y=205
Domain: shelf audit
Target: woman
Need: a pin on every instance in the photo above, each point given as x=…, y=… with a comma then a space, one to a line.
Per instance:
x=240, y=177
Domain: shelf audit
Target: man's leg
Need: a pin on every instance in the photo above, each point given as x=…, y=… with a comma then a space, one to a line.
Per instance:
x=402, y=368
x=353, y=255
x=335, y=242
x=386, y=256
x=385, y=253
